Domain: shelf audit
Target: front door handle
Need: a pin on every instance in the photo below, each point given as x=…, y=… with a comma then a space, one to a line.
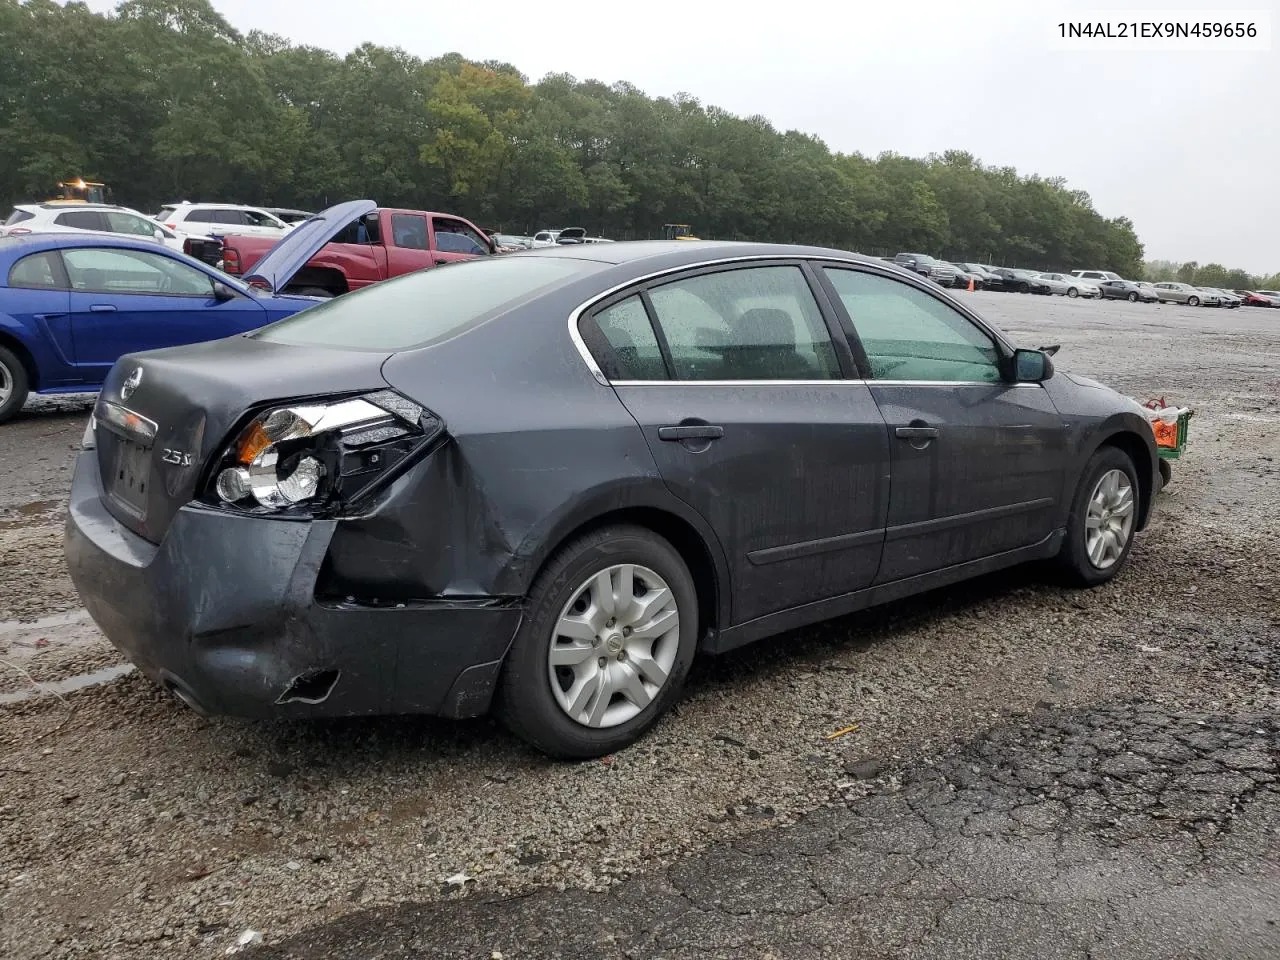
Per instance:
x=917, y=433
x=102, y=308
x=701, y=431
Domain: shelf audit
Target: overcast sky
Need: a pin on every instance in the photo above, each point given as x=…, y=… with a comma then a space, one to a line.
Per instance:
x=1184, y=142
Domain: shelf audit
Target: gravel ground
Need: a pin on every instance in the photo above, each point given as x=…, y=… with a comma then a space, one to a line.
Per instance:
x=129, y=827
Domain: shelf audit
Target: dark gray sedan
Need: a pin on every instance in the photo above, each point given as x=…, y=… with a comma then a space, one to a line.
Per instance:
x=547, y=481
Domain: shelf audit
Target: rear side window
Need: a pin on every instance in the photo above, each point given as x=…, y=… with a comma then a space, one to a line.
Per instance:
x=40, y=271
x=201, y=216
x=409, y=231
x=165, y=214
x=82, y=220
x=17, y=216
x=623, y=342
x=421, y=308
x=759, y=323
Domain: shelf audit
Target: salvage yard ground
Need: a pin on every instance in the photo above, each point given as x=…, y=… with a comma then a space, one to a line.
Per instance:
x=1035, y=771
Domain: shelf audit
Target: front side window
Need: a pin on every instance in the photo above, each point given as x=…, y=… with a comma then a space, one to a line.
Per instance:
x=100, y=270
x=758, y=323
x=36, y=272
x=264, y=219
x=453, y=236
x=623, y=342
x=128, y=223
x=909, y=335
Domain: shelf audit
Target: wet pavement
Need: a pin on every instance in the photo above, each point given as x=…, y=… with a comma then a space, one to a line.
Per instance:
x=1121, y=832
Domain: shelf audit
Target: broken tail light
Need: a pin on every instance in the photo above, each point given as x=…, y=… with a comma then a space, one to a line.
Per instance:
x=321, y=457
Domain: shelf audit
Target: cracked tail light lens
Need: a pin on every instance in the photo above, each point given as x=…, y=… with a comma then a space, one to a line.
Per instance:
x=321, y=455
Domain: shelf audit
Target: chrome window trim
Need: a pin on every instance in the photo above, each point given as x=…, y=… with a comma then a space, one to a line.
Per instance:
x=580, y=345
x=818, y=383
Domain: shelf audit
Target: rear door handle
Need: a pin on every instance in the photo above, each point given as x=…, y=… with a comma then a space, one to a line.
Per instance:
x=102, y=308
x=917, y=433
x=691, y=432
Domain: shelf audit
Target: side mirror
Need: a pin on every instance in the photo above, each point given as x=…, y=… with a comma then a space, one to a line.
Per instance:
x=158, y=234
x=1031, y=366
x=222, y=292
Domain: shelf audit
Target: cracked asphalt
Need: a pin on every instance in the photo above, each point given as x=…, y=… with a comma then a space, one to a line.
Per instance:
x=1124, y=832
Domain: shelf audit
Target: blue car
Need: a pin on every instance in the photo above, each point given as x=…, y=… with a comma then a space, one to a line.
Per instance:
x=71, y=305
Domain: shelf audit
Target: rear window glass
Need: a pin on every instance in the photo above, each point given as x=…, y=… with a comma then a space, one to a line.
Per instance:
x=426, y=306
x=18, y=216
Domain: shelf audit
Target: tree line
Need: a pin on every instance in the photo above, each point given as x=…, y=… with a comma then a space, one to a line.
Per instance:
x=165, y=100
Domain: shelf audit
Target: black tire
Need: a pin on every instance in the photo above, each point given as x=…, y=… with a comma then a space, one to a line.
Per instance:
x=14, y=375
x=1166, y=473
x=525, y=703
x=1074, y=556
x=313, y=292
x=1072, y=292
x=1133, y=298
x=1193, y=301
x=1024, y=287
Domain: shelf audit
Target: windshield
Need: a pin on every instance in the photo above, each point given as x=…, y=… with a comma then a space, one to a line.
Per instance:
x=427, y=306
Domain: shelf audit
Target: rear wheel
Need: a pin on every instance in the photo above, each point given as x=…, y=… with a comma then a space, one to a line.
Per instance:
x=1133, y=298
x=609, y=634
x=13, y=384
x=1103, y=518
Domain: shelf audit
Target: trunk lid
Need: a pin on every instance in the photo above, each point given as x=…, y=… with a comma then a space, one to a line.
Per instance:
x=291, y=252
x=162, y=414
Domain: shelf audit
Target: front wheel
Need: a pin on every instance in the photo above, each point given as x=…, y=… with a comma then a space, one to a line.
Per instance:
x=13, y=385
x=1072, y=292
x=1133, y=298
x=610, y=631
x=1104, y=516
x=1193, y=301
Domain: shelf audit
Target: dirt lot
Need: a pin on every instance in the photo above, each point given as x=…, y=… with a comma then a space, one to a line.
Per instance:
x=131, y=828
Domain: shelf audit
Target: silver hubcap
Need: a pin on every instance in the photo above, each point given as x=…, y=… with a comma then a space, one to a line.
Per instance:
x=1109, y=520
x=614, y=646
x=6, y=384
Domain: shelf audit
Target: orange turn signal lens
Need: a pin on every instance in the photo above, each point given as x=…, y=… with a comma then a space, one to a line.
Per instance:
x=252, y=442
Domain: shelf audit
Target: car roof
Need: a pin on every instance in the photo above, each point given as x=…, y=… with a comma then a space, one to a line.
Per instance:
x=19, y=246
x=677, y=253
x=215, y=206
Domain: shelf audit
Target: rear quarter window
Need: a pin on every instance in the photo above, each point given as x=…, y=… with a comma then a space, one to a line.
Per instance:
x=17, y=216
x=428, y=306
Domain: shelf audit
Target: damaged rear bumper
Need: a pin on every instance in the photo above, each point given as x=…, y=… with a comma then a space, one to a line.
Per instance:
x=223, y=613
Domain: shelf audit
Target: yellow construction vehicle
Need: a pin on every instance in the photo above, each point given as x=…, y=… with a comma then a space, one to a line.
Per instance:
x=82, y=190
x=677, y=231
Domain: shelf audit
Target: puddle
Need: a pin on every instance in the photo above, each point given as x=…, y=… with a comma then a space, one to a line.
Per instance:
x=67, y=684
x=29, y=511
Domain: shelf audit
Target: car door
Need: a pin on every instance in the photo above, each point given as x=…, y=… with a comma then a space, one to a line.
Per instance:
x=124, y=300
x=977, y=462
x=409, y=246
x=129, y=225
x=38, y=304
x=756, y=421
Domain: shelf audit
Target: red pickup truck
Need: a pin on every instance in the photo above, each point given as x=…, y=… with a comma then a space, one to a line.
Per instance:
x=351, y=245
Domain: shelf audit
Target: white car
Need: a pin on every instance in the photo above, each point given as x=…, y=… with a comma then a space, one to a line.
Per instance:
x=1069, y=285
x=1096, y=275
x=223, y=219
x=71, y=216
x=546, y=238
